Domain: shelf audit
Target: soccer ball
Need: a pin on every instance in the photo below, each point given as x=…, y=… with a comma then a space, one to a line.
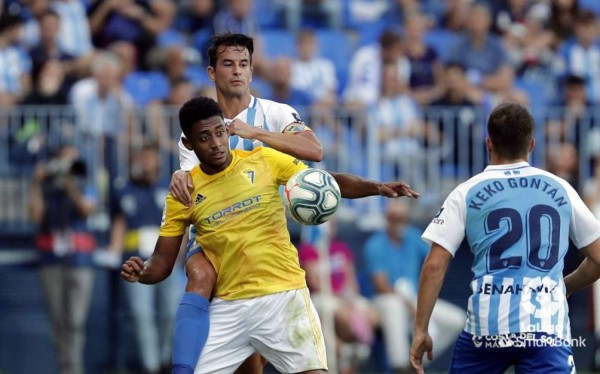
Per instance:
x=312, y=196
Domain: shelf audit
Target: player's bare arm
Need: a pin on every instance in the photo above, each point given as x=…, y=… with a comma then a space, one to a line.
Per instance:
x=158, y=267
x=432, y=278
x=587, y=272
x=302, y=144
x=355, y=187
x=180, y=186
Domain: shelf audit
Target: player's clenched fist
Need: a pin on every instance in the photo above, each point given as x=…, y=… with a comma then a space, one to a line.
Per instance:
x=132, y=269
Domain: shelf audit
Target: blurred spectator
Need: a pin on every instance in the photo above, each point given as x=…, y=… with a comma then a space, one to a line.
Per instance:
x=571, y=116
x=452, y=122
x=48, y=48
x=50, y=87
x=400, y=10
x=484, y=56
x=137, y=208
x=61, y=199
x=74, y=36
x=364, y=82
x=529, y=43
x=282, y=90
x=163, y=115
x=563, y=161
x=195, y=15
x=137, y=22
x=456, y=15
x=313, y=74
x=353, y=315
x=236, y=17
x=394, y=258
x=562, y=20
x=103, y=110
x=15, y=64
x=582, y=54
x=31, y=11
x=397, y=118
x=425, y=65
x=327, y=13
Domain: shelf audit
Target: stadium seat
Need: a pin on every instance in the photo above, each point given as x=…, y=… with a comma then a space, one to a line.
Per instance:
x=368, y=34
x=145, y=87
x=266, y=15
x=442, y=41
x=593, y=5
x=171, y=37
x=278, y=43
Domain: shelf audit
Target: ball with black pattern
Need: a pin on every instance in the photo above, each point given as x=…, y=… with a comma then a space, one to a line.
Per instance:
x=312, y=196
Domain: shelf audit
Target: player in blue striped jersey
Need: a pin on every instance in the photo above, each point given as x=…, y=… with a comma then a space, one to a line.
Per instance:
x=517, y=221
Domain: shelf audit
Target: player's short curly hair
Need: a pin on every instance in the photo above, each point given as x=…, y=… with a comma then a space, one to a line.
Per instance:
x=511, y=128
x=228, y=40
x=195, y=110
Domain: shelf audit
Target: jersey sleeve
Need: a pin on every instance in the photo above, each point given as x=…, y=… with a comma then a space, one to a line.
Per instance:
x=187, y=158
x=176, y=218
x=447, y=228
x=283, y=166
x=584, y=227
x=286, y=119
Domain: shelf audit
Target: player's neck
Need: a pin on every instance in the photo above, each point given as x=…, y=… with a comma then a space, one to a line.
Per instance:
x=496, y=160
x=233, y=105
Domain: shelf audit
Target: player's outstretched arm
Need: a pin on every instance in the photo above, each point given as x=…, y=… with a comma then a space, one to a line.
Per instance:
x=158, y=267
x=303, y=145
x=430, y=284
x=587, y=272
x=355, y=187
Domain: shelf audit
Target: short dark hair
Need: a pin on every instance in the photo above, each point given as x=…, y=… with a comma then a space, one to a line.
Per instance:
x=195, y=110
x=389, y=38
x=510, y=128
x=574, y=80
x=228, y=40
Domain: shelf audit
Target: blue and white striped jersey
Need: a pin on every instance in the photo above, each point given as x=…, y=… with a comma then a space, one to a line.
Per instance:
x=517, y=221
x=14, y=63
x=267, y=114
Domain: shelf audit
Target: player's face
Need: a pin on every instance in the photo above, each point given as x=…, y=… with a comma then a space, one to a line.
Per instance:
x=232, y=73
x=210, y=141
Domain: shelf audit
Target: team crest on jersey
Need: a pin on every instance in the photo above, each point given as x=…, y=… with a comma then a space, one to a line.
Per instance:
x=199, y=198
x=249, y=174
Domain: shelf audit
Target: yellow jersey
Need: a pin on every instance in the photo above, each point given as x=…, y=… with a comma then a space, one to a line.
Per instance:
x=241, y=224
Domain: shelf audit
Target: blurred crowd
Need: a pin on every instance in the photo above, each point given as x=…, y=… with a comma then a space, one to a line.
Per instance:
x=412, y=77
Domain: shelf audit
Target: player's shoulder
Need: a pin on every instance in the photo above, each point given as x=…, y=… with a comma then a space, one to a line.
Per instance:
x=273, y=107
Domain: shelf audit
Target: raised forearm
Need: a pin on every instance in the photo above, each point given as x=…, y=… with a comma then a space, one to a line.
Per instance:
x=354, y=187
x=156, y=271
x=304, y=146
x=36, y=203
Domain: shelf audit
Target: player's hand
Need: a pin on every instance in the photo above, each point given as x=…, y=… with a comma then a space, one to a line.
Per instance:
x=397, y=189
x=180, y=187
x=421, y=343
x=241, y=129
x=132, y=269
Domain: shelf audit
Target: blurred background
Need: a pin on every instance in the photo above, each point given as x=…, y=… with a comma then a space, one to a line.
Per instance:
x=394, y=89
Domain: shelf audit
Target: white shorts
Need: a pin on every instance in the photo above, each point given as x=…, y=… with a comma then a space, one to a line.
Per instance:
x=284, y=327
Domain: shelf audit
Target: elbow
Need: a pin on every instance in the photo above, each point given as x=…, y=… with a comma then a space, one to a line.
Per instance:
x=433, y=267
x=315, y=155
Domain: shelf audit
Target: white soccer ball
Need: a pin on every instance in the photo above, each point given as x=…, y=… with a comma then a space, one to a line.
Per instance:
x=312, y=196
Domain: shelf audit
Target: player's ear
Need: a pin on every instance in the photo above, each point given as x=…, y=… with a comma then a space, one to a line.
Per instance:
x=488, y=144
x=532, y=145
x=251, y=72
x=211, y=73
x=186, y=143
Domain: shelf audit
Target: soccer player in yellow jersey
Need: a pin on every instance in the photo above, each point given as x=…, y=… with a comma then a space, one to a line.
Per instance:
x=261, y=302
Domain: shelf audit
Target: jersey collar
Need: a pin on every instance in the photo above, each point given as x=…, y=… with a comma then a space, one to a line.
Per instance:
x=517, y=165
x=251, y=105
